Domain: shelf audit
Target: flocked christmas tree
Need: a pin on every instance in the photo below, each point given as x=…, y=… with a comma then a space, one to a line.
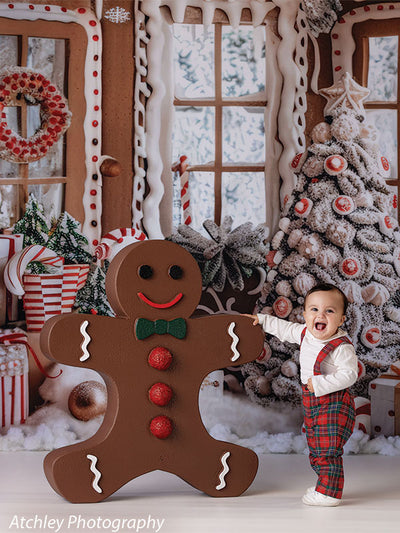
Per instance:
x=92, y=297
x=337, y=227
x=67, y=241
x=33, y=224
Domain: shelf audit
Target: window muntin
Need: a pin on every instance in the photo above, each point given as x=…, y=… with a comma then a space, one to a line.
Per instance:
x=219, y=121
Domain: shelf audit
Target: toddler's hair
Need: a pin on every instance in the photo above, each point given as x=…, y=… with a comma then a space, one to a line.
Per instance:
x=329, y=287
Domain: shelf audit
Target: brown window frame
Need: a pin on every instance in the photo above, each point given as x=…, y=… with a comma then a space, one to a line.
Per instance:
x=74, y=141
x=362, y=32
x=217, y=167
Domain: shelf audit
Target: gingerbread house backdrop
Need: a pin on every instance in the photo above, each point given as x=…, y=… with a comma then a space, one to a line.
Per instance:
x=244, y=114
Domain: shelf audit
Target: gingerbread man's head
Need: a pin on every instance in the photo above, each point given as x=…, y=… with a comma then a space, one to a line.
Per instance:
x=154, y=279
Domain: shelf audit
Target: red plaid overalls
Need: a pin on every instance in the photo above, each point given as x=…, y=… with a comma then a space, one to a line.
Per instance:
x=329, y=423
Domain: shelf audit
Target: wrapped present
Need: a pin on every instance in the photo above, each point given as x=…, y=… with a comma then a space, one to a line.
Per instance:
x=14, y=394
x=385, y=405
x=16, y=341
x=9, y=245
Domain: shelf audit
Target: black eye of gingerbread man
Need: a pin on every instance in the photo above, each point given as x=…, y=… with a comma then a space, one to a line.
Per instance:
x=175, y=272
x=145, y=271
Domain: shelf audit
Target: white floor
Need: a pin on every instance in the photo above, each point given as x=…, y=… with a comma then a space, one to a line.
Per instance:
x=162, y=502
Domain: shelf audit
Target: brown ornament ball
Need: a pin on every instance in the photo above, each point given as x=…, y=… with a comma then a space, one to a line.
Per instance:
x=88, y=400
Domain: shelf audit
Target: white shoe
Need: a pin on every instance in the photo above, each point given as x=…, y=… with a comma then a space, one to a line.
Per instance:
x=317, y=498
x=310, y=489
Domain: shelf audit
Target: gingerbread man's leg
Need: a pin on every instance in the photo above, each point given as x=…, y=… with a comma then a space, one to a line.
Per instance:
x=85, y=473
x=219, y=469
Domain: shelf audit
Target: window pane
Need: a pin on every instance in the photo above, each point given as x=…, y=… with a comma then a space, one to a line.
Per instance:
x=243, y=197
x=193, y=61
x=52, y=163
x=385, y=121
x=243, y=134
x=8, y=50
x=9, y=212
x=382, y=73
x=48, y=57
x=201, y=187
x=194, y=134
x=50, y=196
x=243, y=70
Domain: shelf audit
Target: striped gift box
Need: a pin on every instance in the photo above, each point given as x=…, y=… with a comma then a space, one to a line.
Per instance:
x=14, y=393
x=47, y=295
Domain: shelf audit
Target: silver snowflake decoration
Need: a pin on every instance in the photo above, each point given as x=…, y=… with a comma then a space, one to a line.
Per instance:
x=118, y=15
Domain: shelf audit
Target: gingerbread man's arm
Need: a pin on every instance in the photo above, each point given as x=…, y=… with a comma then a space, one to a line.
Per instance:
x=226, y=340
x=87, y=341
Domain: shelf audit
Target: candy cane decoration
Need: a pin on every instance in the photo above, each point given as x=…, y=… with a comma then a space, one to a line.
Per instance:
x=16, y=267
x=117, y=239
x=181, y=166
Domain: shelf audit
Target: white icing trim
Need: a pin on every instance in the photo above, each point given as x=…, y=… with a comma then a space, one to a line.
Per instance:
x=86, y=339
x=221, y=310
x=99, y=9
x=96, y=472
x=235, y=340
x=263, y=277
x=87, y=19
x=225, y=470
x=343, y=44
x=283, y=87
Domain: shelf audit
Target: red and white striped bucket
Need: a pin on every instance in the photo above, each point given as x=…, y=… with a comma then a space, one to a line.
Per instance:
x=47, y=295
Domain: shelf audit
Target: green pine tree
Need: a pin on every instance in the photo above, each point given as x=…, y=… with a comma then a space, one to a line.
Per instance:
x=92, y=297
x=33, y=224
x=67, y=240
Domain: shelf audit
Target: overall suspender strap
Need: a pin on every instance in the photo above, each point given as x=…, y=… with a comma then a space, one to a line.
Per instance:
x=326, y=350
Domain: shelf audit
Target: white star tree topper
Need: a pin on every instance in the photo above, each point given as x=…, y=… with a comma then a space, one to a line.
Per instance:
x=346, y=93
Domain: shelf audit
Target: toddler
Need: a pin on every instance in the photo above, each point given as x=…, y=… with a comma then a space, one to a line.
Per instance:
x=328, y=366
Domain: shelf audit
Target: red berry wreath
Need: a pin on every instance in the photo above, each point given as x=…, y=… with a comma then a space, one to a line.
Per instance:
x=20, y=82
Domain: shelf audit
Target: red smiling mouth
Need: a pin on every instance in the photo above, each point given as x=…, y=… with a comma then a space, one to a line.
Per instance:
x=160, y=306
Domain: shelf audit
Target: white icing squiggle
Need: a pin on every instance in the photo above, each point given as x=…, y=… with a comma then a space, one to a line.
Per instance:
x=86, y=339
x=225, y=470
x=235, y=340
x=96, y=472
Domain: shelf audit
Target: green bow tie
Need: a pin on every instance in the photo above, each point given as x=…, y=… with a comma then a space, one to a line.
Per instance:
x=144, y=328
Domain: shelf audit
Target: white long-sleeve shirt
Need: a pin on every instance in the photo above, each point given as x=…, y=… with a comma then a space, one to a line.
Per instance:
x=339, y=369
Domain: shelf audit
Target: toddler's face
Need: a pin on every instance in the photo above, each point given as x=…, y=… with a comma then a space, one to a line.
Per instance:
x=323, y=313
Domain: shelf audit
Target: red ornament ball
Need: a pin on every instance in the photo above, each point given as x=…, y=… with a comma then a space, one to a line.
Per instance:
x=88, y=400
x=160, y=358
x=160, y=394
x=334, y=164
x=161, y=427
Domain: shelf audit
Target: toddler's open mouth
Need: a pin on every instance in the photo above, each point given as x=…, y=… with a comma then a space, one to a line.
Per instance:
x=320, y=326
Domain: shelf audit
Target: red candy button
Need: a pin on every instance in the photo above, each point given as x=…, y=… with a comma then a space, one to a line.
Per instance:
x=161, y=427
x=160, y=358
x=160, y=394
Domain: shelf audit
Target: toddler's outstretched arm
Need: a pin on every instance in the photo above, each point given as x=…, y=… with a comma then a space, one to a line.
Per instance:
x=254, y=317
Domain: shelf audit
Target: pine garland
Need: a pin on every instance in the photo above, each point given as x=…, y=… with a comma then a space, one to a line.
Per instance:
x=229, y=256
x=321, y=14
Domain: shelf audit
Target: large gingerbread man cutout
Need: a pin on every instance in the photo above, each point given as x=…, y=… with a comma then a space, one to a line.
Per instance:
x=153, y=358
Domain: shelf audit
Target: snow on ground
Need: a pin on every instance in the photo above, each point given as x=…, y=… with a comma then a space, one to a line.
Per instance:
x=226, y=417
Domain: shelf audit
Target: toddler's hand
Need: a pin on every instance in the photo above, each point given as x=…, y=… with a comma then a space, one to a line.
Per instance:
x=254, y=317
x=310, y=385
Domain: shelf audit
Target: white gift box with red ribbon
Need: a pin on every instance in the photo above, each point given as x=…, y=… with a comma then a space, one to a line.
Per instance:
x=385, y=405
x=14, y=386
x=9, y=245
